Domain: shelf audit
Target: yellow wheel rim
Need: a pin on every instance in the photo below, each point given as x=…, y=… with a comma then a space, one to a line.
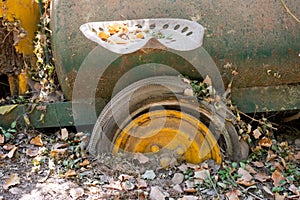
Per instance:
x=171, y=131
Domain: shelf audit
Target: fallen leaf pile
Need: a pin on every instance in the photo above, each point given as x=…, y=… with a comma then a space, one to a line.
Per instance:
x=120, y=33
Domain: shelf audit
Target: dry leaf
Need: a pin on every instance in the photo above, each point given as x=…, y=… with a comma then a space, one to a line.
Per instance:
x=290, y=156
x=12, y=152
x=141, y=184
x=246, y=183
x=2, y=156
x=188, y=92
x=32, y=152
x=228, y=65
x=156, y=194
x=42, y=108
x=183, y=167
x=294, y=189
x=6, y=109
x=277, y=177
x=64, y=134
x=256, y=133
x=265, y=142
x=127, y=185
x=202, y=174
x=189, y=190
x=297, y=156
x=84, y=163
x=271, y=156
x=258, y=164
x=104, y=36
x=284, y=144
x=2, y=139
x=279, y=197
x=114, y=185
x=189, y=197
x=279, y=166
x=250, y=169
x=246, y=178
x=256, y=149
x=177, y=188
x=205, y=165
x=207, y=81
x=60, y=146
x=26, y=120
x=268, y=191
x=14, y=179
x=233, y=195
x=70, y=173
x=142, y=196
x=59, y=153
x=192, y=166
x=141, y=158
x=235, y=72
x=283, y=162
x=8, y=147
x=125, y=177
x=15, y=191
x=76, y=193
x=262, y=177
x=93, y=190
x=37, y=141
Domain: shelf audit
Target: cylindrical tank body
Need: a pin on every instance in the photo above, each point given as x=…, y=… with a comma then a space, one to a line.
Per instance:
x=258, y=39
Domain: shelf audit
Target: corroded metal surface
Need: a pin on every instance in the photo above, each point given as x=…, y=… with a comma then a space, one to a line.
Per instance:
x=268, y=99
x=56, y=115
x=27, y=12
x=10, y=61
x=257, y=37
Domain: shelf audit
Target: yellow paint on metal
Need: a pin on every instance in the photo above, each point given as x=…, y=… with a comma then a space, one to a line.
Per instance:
x=173, y=131
x=23, y=86
x=13, y=84
x=28, y=13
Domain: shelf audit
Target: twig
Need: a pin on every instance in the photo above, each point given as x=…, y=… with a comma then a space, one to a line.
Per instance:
x=256, y=120
x=294, y=197
x=291, y=118
x=289, y=12
x=253, y=195
x=6, y=37
x=213, y=184
x=46, y=177
x=4, y=84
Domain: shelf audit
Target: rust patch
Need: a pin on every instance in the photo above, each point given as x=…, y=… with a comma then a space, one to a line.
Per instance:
x=11, y=62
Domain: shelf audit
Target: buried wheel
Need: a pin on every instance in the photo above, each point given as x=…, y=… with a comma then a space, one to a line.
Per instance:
x=160, y=116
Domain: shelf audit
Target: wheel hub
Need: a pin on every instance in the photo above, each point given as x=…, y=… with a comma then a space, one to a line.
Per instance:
x=181, y=135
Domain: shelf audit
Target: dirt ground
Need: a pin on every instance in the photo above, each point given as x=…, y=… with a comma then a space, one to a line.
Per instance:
x=51, y=165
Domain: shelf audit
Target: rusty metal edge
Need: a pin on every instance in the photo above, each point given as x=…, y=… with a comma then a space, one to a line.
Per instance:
x=248, y=100
x=267, y=99
x=55, y=115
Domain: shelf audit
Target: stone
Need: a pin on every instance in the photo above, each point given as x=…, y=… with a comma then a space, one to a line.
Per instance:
x=156, y=194
x=178, y=178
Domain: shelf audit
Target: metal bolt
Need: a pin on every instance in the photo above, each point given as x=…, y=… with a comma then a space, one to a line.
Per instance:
x=155, y=148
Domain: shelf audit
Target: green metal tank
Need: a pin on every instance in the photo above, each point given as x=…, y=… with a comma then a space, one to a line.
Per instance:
x=257, y=39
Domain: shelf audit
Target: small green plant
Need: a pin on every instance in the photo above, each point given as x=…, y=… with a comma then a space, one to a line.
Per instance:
x=227, y=176
x=188, y=174
x=8, y=134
